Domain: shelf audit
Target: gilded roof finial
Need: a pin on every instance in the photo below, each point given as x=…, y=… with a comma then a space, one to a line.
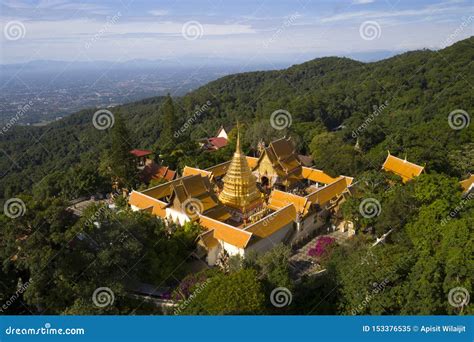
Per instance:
x=237, y=148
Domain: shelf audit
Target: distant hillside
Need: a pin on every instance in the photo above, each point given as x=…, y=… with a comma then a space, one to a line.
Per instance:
x=417, y=90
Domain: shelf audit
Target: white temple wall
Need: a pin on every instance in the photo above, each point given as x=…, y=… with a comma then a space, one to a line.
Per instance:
x=269, y=242
x=231, y=249
x=176, y=216
x=212, y=255
x=309, y=224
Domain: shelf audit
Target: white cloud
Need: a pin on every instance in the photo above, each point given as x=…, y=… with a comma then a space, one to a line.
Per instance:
x=158, y=13
x=362, y=2
x=82, y=28
x=427, y=11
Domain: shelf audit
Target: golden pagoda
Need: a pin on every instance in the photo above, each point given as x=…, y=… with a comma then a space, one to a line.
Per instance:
x=240, y=185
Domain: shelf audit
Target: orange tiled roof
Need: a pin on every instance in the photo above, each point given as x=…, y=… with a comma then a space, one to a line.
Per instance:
x=279, y=199
x=467, y=183
x=170, y=175
x=317, y=175
x=219, y=169
x=208, y=239
x=154, y=171
x=252, y=161
x=189, y=171
x=330, y=191
x=219, y=213
x=159, y=191
x=222, y=231
x=274, y=222
x=197, y=187
x=402, y=168
x=145, y=202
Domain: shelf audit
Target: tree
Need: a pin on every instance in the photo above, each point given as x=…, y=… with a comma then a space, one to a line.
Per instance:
x=274, y=265
x=120, y=160
x=167, y=139
x=335, y=157
x=237, y=293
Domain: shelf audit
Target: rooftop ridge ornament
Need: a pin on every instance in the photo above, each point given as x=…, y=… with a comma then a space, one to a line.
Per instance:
x=238, y=148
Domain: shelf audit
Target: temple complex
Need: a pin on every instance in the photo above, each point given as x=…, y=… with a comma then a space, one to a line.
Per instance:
x=250, y=204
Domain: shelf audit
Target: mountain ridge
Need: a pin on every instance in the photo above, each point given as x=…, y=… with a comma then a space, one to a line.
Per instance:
x=321, y=95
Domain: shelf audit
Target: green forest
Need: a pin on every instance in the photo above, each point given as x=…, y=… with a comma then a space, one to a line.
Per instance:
x=344, y=113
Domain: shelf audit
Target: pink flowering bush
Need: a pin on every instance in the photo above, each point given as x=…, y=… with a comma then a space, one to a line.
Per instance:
x=322, y=247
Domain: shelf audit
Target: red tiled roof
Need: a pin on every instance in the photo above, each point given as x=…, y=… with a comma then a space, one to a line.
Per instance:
x=170, y=175
x=161, y=172
x=140, y=153
x=218, y=142
x=153, y=171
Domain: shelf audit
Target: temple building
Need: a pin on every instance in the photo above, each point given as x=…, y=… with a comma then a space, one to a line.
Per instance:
x=149, y=170
x=215, y=143
x=279, y=165
x=250, y=204
x=401, y=167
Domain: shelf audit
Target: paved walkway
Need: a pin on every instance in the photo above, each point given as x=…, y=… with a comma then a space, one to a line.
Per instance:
x=302, y=264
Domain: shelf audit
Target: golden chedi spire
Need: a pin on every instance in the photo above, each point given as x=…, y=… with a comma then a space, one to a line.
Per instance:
x=240, y=188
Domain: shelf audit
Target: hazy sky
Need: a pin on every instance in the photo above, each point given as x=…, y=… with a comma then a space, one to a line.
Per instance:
x=257, y=31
